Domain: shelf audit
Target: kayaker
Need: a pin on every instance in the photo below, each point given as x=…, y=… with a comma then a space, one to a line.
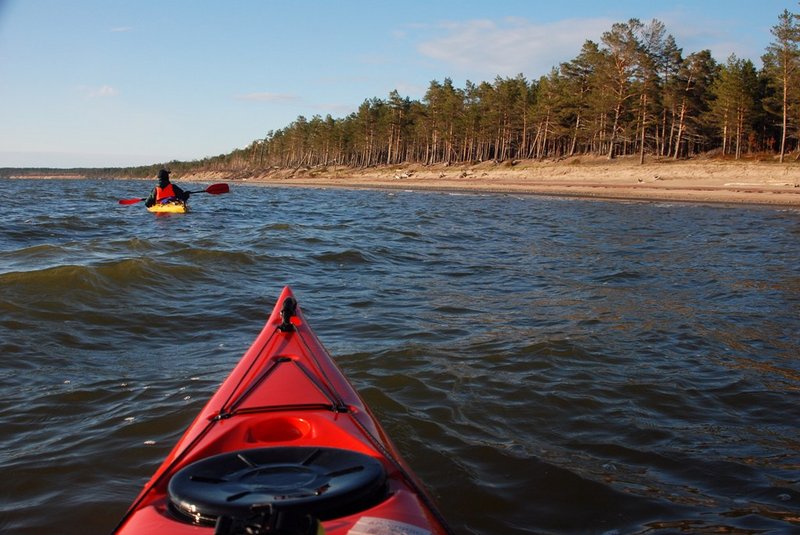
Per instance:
x=166, y=191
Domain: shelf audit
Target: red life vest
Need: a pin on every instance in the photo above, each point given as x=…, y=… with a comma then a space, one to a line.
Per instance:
x=164, y=193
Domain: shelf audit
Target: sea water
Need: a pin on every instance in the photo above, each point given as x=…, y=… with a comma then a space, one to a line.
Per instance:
x=544, y=365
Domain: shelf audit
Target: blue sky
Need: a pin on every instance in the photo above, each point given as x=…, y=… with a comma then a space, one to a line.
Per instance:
x=95, y=83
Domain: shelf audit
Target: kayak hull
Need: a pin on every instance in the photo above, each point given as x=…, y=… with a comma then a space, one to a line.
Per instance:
x=286, y=420
x=174, y=207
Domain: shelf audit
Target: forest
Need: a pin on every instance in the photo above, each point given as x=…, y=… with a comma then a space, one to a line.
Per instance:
x=635, y=94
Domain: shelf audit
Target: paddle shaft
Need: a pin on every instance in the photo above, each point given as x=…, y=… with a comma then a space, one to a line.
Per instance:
x=213, y=189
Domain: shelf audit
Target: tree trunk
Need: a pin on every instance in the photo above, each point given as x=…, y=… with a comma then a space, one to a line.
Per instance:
x=644, y=128
x=575, y=135
x=785, y=112
x=725, y=138
x=739, y=128
x=679, y=134
x=612, y=141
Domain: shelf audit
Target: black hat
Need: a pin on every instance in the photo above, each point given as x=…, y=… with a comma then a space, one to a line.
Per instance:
x=163, y=173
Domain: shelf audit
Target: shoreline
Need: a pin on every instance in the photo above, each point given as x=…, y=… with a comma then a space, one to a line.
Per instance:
x=706, y=181
x=699, y=180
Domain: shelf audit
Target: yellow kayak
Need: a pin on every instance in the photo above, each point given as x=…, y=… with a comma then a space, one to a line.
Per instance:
x=172, y=207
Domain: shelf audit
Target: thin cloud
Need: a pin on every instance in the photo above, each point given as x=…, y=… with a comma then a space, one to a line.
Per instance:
x=722, y=37
x=405, y=89
x=121, y=29
x=267, y=97
x=488, y=48
x=104, y=91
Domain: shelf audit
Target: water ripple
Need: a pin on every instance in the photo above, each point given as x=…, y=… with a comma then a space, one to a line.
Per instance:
x=545, y=365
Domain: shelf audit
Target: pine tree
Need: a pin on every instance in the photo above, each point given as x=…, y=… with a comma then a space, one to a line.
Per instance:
x=735, y=92
x=781, y=63
x=620, y=71
x=696, y=76
x=579, y=78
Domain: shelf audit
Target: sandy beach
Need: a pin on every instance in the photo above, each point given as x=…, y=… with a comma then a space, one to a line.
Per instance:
x=706, y=181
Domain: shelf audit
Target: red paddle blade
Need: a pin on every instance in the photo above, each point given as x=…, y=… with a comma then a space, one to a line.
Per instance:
x=216, y=189
x=130, y=201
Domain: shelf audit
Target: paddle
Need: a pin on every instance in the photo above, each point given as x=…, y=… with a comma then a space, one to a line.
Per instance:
x=213, y=189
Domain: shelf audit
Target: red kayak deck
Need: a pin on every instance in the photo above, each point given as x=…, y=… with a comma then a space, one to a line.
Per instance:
x=285, y=441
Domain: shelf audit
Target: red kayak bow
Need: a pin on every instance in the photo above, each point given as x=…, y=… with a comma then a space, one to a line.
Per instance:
x=285, y=446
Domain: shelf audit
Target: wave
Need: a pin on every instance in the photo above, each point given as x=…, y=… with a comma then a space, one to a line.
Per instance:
x=32, y=268
x=131, y=272
x=216, y=256
x=619, y=277
x=346, y=257
x=31, y=257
